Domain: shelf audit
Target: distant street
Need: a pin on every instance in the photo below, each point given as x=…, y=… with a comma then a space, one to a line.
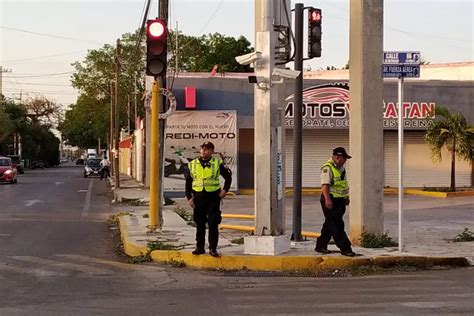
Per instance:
x=57, y=258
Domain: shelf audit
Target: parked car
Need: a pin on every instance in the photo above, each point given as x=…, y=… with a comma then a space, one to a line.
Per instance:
x=8, y=171
x=92, y=167
x=63, y=160
x=37, y=164
x=16, y=160
x=79, y=161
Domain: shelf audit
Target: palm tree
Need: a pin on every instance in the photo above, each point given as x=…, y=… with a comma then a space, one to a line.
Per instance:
x=450, y=130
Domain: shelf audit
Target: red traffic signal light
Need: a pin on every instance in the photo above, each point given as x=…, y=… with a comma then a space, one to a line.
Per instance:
x=314, y=32
x=156, y=53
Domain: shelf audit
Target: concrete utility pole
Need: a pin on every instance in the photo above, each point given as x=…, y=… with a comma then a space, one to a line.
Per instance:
x=1, y=78
x=269, y=151
x=117, y=116
x=111, y=127
x=366, y=168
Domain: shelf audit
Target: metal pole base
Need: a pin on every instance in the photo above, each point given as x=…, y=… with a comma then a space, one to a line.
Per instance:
x=152, y=229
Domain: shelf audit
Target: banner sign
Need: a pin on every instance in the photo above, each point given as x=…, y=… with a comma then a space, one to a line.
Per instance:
x=185, y=131
x=328, y=106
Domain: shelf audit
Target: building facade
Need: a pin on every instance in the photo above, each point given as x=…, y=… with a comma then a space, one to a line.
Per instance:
x=326, y=124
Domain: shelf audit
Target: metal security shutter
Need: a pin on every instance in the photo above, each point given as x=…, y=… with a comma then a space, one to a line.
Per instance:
x=390, y=157
x=317, y=149
x=419, y=168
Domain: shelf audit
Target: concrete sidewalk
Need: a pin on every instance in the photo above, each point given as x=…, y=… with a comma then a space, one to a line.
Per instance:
x=430, y=225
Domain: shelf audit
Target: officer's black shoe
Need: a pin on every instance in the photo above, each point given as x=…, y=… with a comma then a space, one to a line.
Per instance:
x=349, y=253
x=214, y=253
x=323, y=251
x=199, y=251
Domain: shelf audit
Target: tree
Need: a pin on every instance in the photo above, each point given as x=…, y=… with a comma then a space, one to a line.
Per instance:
x=85, y=122
x=450, y=131
x=204, y=52
x=6, y=124
x=88, y=119
x=26, y=121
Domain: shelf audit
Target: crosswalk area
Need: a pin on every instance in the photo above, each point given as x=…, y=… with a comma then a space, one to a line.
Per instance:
x=64, y=265
x=401, y=295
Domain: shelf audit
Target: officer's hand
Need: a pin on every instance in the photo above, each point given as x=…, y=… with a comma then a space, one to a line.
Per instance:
x=222, y=194
x=328, y=203
x=191, y=202
x=348, y=201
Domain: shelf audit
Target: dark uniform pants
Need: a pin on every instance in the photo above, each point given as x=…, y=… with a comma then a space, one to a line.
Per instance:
x=334, y=225
x=207, y=210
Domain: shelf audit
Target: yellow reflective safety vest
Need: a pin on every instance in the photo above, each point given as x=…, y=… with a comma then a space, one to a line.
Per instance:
x=339, y=188
x=205, y=178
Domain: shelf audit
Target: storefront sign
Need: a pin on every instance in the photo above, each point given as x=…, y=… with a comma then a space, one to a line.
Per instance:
x=185, y=132
x=328, y=106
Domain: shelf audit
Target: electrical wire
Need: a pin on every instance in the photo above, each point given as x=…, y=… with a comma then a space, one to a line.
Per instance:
x=39, y=76
x=48, y=35
x=205, y=25
x=41, y=84
x=41, y=57
x=135, y=51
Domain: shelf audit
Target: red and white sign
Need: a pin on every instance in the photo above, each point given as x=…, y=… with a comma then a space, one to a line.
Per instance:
x=328, y=106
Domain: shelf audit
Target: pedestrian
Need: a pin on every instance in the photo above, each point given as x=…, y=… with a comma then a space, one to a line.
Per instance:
x=204, y=194
x=104, y=168
x=334, y=198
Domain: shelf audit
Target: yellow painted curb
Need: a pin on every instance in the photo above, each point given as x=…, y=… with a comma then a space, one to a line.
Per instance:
x=295, y=263
x=310, y=234
x=387, y=191
x=130, y=249
x=237, y=227
x=439, y=194
x=240, y=216
x=425, y=193
x=252, y=229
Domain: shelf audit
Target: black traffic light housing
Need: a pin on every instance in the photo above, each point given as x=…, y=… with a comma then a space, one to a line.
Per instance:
x=314, y=32
x=156, y=48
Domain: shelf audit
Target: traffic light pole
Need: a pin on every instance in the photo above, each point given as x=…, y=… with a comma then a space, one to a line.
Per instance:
x=298, y=125
x=155, y=166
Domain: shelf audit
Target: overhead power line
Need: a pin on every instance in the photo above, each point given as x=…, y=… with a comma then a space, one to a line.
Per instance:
x=41, y=57
x=39, y=76
x=49, y=35
x=41, y=84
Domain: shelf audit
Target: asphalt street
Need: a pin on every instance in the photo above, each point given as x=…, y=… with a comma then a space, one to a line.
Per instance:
x=57, y=258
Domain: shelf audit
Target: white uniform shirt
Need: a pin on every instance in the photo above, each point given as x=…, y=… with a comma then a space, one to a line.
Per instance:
x=105, y=163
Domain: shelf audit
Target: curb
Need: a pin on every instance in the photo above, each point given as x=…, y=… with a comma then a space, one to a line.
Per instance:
x=282, y=263
x=387, y=191
x=298, y=263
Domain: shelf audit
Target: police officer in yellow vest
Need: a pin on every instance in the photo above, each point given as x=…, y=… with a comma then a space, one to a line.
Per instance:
x=204, y=194
x=334, y=198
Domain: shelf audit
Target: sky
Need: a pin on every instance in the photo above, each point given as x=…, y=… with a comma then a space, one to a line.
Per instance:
x=40, y=39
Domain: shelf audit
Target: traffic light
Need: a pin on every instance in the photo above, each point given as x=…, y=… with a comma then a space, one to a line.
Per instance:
x=156, y=53
x=314, y=32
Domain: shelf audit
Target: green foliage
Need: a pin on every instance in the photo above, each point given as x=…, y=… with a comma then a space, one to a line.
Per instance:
x=88, y=119
x=159, y=245
x=181, y=211
x=450, y=131
x=26, y=120
x=369, y=240
x=169, y=201
x=203, y=53
x=7, y=125
x=238, y=241
x=437, y=189
x=140, y=259
x=177, y=263
x=465, y=236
